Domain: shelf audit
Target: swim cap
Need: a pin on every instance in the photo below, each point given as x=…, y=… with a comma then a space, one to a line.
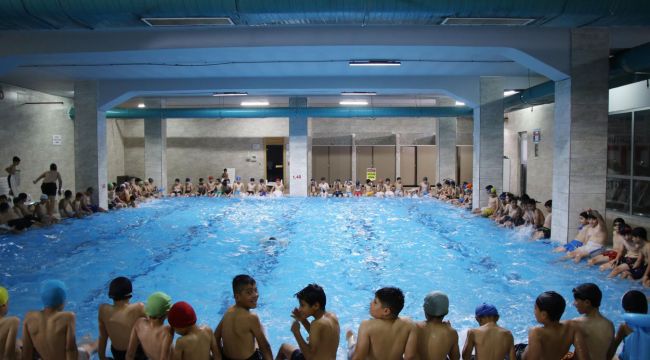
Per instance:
x=157, y=305
x=436, y=304
x=4, y=296
x=238, y=178
x=44, y=197
x=486, y=310
x=181, y=315
x=53, y=293
x=494, y=190
x=120, y=288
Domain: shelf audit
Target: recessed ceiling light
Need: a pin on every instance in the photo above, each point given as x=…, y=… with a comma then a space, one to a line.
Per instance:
x=375, y=63
x=230, y=93
x=358, y=93
x=353, y=102
x=255, y=103
x=460, y=103
x=142, y=105
x=509, y=92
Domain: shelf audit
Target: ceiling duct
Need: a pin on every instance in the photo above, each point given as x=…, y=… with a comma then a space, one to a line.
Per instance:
x=188, y=21
x=487, y=21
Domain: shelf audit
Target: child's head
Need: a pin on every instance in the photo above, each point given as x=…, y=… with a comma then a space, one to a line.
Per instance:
x=617, y=224
x=486, y=313
x=252, y=180
x=387, y=304
x=45, y=197
x=634, y=302
x=120, y=289
x=177, y=180
x=548, y=205
x=322, y=179
x=200, y=180
x=78, y=196
x=549, y=307
x=16, y=160
x=436, y=305
x=150, y=181
x=489, y=189
x=626, y=231
x=3, y=198
x=52, y=167
x=53, y=294
x=586, y=297
x=261, y=181
x=244, y=288
x=312, y=298
x=591, y=218
x=399, y=179
x=187, y=180
x=4, y=207
x=225, y=170
x=67, y=194
x=158, y=305
x=4, y=301
x=640, y=234
x=583, y=218
x=181, y=317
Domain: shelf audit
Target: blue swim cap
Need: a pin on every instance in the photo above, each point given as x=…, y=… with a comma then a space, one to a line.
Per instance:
x=485, y=310
x=53, y=293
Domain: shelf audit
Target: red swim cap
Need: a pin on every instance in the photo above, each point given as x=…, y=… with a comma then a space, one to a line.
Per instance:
x=181, y=315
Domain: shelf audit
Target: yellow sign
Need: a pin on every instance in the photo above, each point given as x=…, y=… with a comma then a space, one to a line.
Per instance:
x=371, y=174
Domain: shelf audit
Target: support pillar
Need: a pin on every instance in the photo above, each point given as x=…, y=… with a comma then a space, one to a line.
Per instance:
x=446, y=136
x=298, y=149
x=488, y=140
x=354, y=159
x=580, y=133
x=398, y=159
x=155, y=149
x=91, y=167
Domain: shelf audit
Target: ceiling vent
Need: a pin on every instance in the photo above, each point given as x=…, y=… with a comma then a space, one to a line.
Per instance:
x=487, y=21
x=211, y=21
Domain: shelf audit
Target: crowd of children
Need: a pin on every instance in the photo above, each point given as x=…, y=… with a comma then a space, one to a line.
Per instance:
x=223, y=188
x=138, y=331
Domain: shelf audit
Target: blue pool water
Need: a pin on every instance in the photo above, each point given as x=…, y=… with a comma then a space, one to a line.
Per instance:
x=192, y=247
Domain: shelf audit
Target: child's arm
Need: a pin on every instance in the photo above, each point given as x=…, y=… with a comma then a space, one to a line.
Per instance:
x=177, y=351
x=28, y=346
x=623, y=331
x=216, y=352
x=308, y=349
x=166, y=349
x=511, y=344
x=411, y=349
x=133, y=344
x=639, y=261
x=534, y=348
x=363, y=343
x=262, y=342
x=217, y=333
x=469, y=345
x=103, y=336
x=10, y=345
x=71, y=352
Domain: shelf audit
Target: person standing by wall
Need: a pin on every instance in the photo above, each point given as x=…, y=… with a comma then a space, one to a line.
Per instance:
x=48, y=186
x=13, y=179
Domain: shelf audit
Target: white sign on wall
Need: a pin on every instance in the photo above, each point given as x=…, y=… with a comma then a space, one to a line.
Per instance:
x=57, y=139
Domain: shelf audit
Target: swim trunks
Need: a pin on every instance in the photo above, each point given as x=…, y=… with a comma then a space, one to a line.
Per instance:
x=574, y=244
x=487, y=212
x=121, y=355
x=48, y=189
x=627, y=260
x=591, y=249
x=638, y=272
x=19, y=224
x=257, y=355
x=611, y=254
x=297, y=355
x=546, y=231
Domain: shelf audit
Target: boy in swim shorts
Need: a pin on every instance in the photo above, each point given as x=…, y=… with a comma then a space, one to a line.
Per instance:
x=196, y=342
x=323, y=331
x=150, y=335
x=9, y=347
x=436, y=339
x=633, y=302
x=631, y=257
x=598, y=330
x=595, y=238
x=250, y=187
x=48, y=333
x=386, y=336
x=239, y=329
x=491, y=341
x=116, y=321
x=580, y=237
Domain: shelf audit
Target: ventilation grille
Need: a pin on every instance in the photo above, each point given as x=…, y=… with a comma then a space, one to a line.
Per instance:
x=487, y=21
x=212, y=21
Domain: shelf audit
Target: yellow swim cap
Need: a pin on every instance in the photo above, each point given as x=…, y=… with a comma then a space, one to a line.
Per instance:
x=494, y=190
x=4, y=296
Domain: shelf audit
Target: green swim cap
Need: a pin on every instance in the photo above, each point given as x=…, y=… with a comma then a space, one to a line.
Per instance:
x=158, y=304
x=4, y=296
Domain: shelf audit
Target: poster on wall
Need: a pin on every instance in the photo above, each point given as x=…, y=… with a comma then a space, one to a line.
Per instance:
x=57, y=139
x=371, y=174
x=537, y=136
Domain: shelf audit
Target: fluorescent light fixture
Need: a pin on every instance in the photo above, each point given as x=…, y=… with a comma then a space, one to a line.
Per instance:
x=230, y=93
x=375, y=63
x=460, y=103
x=358, y=93
x=353, y=102
x=255, y=103
x=142, y=106
x=509, y=92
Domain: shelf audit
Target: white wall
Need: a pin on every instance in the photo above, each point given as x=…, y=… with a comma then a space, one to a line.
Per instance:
x=115, y=148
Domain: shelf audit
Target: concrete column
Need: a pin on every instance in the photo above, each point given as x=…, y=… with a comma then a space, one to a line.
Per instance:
x=446, y=136
x=155, y=151
x=488, y=140
x=354, y=159
x=580, y=132
x=91, y=167
x=398, y=159
x=298, y=149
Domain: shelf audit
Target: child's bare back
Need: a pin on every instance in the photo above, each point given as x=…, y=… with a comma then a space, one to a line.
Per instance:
x=491, y=341
x=237, y=331
x=384, y=339
x=437, y=340
x=195, y=345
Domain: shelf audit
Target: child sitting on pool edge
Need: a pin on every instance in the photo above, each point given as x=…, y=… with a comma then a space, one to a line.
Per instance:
x=150, y=334
x=239, y=320
x=490, y=340
x=436, y=340
x=9, y=347
x=196, y=342
x=386, y=335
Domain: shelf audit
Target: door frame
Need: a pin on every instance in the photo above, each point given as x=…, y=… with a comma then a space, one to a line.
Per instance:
x=276, y=141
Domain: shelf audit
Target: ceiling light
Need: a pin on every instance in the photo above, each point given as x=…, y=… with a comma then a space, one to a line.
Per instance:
x=230, y=93
x=189, y=21
x=375, y=63
x=358, y=93
x=353, y=102
x=255, y=103
x=142, y=106
x=460, y=103
x=509, y=92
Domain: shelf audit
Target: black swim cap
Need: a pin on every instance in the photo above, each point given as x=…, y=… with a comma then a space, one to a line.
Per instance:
x=120, y=289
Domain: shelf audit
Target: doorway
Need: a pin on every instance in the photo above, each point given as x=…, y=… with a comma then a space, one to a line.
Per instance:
x=523, y=161
x=274, y=151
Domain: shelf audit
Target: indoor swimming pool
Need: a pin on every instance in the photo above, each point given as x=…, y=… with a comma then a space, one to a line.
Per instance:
x=191, y=248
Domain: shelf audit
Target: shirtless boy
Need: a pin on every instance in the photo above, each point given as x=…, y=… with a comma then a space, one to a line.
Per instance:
x=8, y=329
x=436, y=340
x=323, y=331
x=597, y=329
x=618, y=227
x=196, y=342
x=48, y=186
x=595, y=238
x=634, y=302
x=177, y=188
x=150, y=335
x=10, y=220
x=116, y=321
x=323, y=187
x=13, y=175
x=544, y=232
x=386, y=336
x=239, y=329
x=554, y=338
x=491, y=341
x=631, y=258
x=188, y=188
x=250, y=187
x=580, y=236
x=50, y=333
x=493, y=204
